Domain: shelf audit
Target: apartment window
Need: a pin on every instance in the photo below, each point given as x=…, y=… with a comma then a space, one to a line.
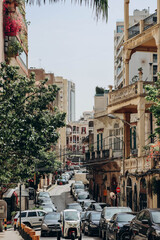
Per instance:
x=74, y=129
x=77, y=139
x=83, y=149
x=74, y=147
x=110, y=142
x=70, y=139
x=120, y=29
x=77, y=129
x=83, y=130
x=77, y=148
x=74, y=139
x=133, y=138
x=155, y=79
x=117, y=143
x=154, y=69
x=154, y=58
x=91, y=124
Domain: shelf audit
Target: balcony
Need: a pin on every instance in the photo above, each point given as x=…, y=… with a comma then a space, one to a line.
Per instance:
x=127, y=93
x=146, y=24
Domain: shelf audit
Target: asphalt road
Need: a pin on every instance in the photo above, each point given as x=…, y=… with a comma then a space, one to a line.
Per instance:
x=61, y=197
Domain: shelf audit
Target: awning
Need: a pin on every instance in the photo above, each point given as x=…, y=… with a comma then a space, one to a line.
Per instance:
x=9, y=193
x=24, y=192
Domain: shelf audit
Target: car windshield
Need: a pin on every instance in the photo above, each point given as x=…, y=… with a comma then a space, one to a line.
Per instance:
x=156, y=216
x=83, y=196
x=48, y=209
x=79, y=186
x=74, y=206
x=87, y=204
x=95, y=216
x=44, y=194
x=71, y=216
x=98, y=207
x=109, y=212
x=125, y=217
x=55, y=216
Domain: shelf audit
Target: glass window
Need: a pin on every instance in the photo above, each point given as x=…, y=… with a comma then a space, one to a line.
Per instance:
x=156, y=216
x=95, y=216
x=41, y=214
x=23, y=214
x=155, y=58
x=71, y=216
x=53, y=216
x=125, y=217
x=154, y=69
x=146, y=216
x=32, y=214
x=120, y=29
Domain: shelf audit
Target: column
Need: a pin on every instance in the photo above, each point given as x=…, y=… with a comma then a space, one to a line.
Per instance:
x=126, y=62
x=126, y=19
x=158, y=56
x=158, y=11
x=127, y=135
x=141, y=126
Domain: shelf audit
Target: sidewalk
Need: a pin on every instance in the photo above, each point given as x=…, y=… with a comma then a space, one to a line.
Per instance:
x=10, y=234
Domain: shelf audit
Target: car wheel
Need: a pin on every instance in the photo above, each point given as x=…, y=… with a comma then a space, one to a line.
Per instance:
x=150, y=237
x=124, y=236
x=58, y=236
x=89, y=232
x=104, y=236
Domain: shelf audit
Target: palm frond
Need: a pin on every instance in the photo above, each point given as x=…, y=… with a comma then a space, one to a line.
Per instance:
x=99, y=6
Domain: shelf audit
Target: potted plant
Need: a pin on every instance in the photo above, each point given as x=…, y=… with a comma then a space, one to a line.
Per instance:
x=14, y=48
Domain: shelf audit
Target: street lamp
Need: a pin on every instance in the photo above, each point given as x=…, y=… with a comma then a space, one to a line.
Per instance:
x=123, y=160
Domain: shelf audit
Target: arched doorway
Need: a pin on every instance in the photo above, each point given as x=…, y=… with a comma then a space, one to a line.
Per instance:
x=143, y=194
x=129, y=193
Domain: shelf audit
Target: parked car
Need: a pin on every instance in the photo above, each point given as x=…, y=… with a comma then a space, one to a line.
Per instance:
x=75, y=206
x=77, y=186
x=106, y=216
x=97, y=206
x=86, y=204
x=84, y=219
x=146, y=225
x=82, y=196
x=92, y=223
x=44, y=194
x=76, y=192
x=62, y=181
x=44, y=201
x=50, y=224
x=118, y=226
x=31, y=218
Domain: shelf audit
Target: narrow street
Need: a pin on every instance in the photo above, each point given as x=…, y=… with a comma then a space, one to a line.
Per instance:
x=61, y=197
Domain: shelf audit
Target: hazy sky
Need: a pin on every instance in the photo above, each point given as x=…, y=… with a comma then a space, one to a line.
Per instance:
x=66, y=39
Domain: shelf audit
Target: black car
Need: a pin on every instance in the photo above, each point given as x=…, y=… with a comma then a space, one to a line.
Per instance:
x=97, y=207
x=84, y=220
x=146, y=225
x=50, y=224
x=92, y=223
x=76, y=206
x=118, y=226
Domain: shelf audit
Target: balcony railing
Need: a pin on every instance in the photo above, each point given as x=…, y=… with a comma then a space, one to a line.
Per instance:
x=147, y=23
x=150, y=21
x=128, y=92
x=134, y=30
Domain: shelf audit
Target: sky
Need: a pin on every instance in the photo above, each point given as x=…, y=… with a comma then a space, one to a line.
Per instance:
x=67, y=40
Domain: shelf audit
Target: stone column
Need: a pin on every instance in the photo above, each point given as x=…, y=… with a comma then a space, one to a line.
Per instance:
x=127, y=135
x=158, y=11
x=141, y=126
x=126, y=19
x=126, y=62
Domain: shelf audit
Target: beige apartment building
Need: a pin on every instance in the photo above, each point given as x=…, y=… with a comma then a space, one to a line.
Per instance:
x=127, y=117
x=77, y=132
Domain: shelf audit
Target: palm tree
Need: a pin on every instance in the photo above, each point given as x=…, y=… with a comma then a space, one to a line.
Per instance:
x=100, y=6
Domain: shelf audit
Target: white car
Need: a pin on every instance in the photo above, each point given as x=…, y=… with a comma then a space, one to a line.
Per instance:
x=31, y=218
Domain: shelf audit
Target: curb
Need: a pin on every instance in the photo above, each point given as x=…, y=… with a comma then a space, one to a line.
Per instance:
x=52, y=187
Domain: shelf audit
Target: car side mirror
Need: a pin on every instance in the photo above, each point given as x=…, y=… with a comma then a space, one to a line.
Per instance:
x=144, y=221
x=60, y=221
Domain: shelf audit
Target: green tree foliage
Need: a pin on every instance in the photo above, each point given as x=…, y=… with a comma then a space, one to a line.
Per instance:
x=28, y=124
x=153, y=95
x=100, y=6
x=99, y=90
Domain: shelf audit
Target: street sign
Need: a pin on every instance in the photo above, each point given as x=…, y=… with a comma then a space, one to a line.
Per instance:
x=118, y=189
